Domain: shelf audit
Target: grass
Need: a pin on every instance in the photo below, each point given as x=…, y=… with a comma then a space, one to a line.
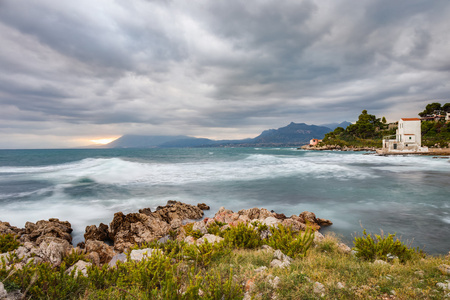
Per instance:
x=223, y=271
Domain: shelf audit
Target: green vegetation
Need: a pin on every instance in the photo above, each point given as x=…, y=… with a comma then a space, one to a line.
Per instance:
x=8, y=242
x=228, y=269
x=383, y=247
x=368, y=131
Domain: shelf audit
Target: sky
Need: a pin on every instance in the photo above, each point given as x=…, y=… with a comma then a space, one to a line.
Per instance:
x=76, y=71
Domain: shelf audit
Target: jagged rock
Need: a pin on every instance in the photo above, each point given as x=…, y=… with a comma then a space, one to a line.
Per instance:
x=200, y=226
x=104, y=252
x=210, y=238
x=53, y=250
x=256, y=213
x=203, y=206
x=276, y=263
x=318, y=237
x=145, y=211
x=224, y=215
x=176, y=223
x=294, y=223
x=177, y=210
x=445, y=269
x=281, y=256
x=6, y=228
x=271, y=221
x=275, y=282
x=323, y=222
x=138, y=255
x=80, y=266
x=42, y=229
x=261, y=269
x=343, y=248
x=279, y=216
x=444, y=286
x=309, y=219
x=135, y=228
x=340, y=285
x=264, y=234
x=95, y=233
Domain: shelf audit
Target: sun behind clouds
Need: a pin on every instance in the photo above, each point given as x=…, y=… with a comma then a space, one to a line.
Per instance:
x=103, y=141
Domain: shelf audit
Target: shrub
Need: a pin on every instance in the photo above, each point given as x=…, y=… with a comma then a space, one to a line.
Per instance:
x=380, y=246
x=8, y=242
x=188, y=229
x=215, y=228
x=291, y=243
x=242, y=236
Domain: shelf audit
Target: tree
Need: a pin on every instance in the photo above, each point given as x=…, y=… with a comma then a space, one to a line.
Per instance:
x=446, y=107
x=384, y=120
x=430, y=108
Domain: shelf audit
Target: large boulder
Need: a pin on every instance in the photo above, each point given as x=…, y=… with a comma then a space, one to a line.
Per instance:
x=95, y=233
x=6, y=228
x=135, y=228
x=310, y=220
x=42, y=229
x=99, y=252
x=177, y=210
x=53, y=250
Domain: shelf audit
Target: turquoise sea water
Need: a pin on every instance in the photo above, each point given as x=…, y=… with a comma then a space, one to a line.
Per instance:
x=409, y=195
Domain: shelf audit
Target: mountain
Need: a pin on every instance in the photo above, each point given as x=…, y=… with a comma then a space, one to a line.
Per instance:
x=143, y=141
x=333, y=126
x=294, y=134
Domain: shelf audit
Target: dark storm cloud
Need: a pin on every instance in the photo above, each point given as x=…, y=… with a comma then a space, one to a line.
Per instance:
x=195, y=67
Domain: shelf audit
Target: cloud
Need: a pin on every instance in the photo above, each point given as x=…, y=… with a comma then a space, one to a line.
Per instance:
x=213, y=68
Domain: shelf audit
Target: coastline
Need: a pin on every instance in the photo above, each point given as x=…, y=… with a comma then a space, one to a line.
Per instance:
x=378, y=151
x=214, y=258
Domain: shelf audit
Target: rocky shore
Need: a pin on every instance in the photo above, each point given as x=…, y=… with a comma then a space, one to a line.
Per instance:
x=50, y=240
x=337, y=148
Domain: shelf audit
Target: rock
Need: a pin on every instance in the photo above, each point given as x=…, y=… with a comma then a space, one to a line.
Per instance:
x=53, y=252
x=6, y=228
x=309, y=219
x=380, y=262
x=256, y=213
x=271, y=221
x=420, y=273
x=343, y=248
x=95, y=233
x=267, y=248
x=175, y=224
x=318, y=237
x=145, y=211
x=80, y=266
x=445, y=269
x=210, y=238
x=116, y=258
x=200, y=226
x=340, y=285
x=275, y=282
x=42, y=229
x=279, y=216
x=203, y=206
x=281, y=256
x=189, y=240
x=105, y=253
x=249, y=285
x=319, y=288
x=177, y=210
x=276, y=263
x=264, y=234
x=444, y=286
x=324, y=222
x=261, y=269
x=135, y=228
x=294, y=223
x=138, y=255
x=3, y=292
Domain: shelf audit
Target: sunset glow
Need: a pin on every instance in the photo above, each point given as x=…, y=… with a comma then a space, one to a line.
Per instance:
x=103, y=141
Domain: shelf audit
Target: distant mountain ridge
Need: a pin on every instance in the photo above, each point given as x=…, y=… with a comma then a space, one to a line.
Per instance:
x=294, y=134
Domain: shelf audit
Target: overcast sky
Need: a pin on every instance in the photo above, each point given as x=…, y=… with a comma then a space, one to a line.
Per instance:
x=72, y=71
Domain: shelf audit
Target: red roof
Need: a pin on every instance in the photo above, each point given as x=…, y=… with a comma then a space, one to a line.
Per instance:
x=410, y=119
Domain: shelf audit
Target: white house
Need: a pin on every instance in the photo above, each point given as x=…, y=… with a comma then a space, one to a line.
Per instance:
x=408, y=137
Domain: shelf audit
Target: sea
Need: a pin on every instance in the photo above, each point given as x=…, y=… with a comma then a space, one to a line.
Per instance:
x=406, y=195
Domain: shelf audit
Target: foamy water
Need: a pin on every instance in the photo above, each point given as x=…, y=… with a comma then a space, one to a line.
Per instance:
x=408, y=195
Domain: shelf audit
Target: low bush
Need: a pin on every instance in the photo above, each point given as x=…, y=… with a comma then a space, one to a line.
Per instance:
x=242, y=236
x=291, y=243
x=8, y=242
x=380, y=246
